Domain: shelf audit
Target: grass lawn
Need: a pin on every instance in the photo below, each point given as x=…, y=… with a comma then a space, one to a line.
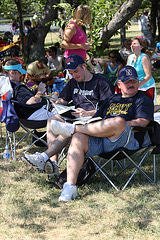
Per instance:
x=29, y=209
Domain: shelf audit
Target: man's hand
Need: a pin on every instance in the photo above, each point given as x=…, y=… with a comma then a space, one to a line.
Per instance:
x=141, y=122
x=86, y=46
x=82, y=113
x=59, y=101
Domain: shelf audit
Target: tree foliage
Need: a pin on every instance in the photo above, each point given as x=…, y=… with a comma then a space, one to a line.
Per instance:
x=108, y=17
x=103, y=17
x=8, y=8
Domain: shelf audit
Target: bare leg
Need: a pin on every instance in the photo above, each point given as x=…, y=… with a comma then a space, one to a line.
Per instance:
x=75, y=157
x=110, y=128
x=156, y=108
x=51, y=137
x=57, y=145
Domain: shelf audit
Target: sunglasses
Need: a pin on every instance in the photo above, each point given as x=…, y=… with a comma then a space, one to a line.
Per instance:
x=111, y=57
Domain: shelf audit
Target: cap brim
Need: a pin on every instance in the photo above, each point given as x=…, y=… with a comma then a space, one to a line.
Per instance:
x=126, y=79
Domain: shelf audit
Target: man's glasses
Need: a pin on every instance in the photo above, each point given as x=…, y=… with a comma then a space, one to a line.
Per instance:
x=112, y=57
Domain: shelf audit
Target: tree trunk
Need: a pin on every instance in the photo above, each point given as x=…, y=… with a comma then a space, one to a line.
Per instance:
x=18, y=3
x=154, y=14
x=124, y=13
x=123, y=35
x=34, y=47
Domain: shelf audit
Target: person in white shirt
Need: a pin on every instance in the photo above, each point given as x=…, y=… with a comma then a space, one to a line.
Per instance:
x=145, y=27
x=54, y=63
x=125, y=51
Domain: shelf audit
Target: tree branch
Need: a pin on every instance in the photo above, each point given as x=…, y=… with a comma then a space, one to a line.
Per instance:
x=124, y=13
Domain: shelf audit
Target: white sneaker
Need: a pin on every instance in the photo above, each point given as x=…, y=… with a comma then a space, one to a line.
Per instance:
x=51, y=167
x=69, y=192
x=35, y=159
x=62, y=128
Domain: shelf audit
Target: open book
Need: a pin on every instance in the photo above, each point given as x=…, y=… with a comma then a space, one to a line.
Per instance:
x=65, y=113
x=86, y=120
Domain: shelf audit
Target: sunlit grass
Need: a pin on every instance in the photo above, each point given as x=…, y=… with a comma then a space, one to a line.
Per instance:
x=29, y=208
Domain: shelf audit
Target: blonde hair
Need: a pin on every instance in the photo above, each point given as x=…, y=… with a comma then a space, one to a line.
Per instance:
x=82, y=15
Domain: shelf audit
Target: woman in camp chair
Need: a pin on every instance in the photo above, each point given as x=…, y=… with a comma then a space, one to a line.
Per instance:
x=23, y=95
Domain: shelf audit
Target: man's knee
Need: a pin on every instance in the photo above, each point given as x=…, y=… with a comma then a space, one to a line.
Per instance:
x=81, y=140
x=118, y=124
x=54, y=118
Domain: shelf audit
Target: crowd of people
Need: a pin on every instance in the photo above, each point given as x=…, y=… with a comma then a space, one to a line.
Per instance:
x=123, y=96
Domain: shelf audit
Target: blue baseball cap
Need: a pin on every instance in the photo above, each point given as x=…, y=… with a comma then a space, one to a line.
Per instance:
x=73, y=61
x=127, y=73
x=17, y=67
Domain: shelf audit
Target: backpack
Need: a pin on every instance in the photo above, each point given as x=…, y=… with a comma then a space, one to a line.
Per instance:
x=86, y=172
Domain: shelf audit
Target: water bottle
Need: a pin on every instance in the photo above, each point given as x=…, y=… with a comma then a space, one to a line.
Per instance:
x=7, y=154
x=55, y=96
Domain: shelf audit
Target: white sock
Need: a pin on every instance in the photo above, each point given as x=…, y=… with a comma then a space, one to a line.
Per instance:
x=45, y=156
x=71, y=127
x=70, y=184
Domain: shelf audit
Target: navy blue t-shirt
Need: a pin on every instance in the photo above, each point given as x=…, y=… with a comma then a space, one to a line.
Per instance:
x=21, y=94
x=86, y=95
x=138, y=106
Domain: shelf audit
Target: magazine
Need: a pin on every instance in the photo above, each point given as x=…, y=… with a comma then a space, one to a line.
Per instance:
x=65, y=113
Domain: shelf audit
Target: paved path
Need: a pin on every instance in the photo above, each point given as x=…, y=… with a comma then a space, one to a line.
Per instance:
x=5, y=27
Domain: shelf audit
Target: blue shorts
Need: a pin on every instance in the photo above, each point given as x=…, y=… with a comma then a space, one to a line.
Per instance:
x=99, y=145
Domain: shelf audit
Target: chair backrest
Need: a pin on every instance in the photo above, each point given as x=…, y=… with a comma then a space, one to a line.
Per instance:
x=5, y=94
x=7, y=112
x=25, y=110
x=155, y=133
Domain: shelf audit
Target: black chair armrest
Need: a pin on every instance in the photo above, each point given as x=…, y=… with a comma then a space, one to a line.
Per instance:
x=143, y=129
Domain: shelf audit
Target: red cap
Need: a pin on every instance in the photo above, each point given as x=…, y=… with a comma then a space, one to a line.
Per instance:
x=145, y=11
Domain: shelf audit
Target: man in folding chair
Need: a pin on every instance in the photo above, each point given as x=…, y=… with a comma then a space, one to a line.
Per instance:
x=85, y=90
x=119, y=113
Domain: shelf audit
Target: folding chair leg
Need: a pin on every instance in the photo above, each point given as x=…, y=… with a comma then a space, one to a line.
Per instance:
x=11, y=137
x=99, y=169
x=137, y=168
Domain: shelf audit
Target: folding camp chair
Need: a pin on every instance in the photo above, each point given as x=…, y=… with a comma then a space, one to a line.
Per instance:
x=122, y=158
x=30, y=127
